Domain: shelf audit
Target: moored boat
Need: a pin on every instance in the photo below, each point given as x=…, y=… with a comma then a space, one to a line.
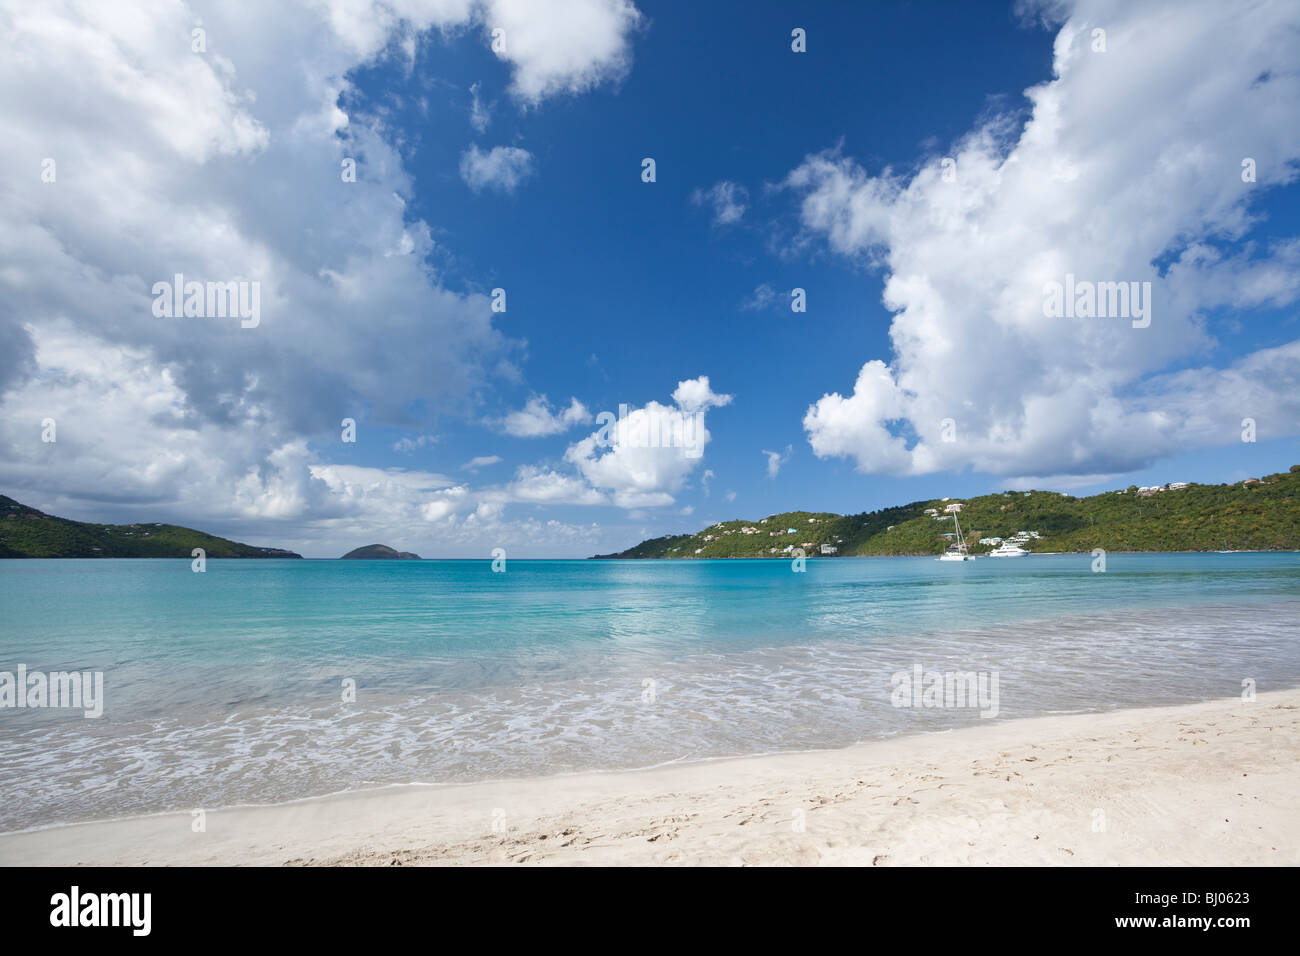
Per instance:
x=957, y=552
x=1007, y=549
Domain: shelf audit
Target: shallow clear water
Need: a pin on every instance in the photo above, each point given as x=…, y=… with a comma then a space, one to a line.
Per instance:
x=226, y=687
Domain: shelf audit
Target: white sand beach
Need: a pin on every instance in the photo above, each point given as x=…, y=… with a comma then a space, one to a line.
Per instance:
x=1210, y=783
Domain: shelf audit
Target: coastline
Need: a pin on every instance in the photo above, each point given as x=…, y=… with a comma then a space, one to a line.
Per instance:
x=1212, y=783
x=908, y=554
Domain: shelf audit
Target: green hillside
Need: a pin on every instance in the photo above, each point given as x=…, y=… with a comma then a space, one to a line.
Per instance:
x=28, y=533
x=1261, y=515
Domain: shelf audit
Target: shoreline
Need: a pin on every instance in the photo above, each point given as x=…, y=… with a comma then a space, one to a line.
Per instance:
x=909, y=554
x=1212, y=783
x=596, y=557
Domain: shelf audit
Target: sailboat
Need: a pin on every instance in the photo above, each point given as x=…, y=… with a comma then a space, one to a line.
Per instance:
x=956, y=552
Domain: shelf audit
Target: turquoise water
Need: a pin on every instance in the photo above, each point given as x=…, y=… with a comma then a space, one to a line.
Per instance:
x=225, y=687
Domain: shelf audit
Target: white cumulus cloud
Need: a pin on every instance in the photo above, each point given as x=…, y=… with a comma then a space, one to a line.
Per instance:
x=1128, y=158
x=502, y=167
x=537, y=418
x=562, y=48
x=644, y=458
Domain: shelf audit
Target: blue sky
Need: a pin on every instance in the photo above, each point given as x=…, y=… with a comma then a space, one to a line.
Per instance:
x=1123, y=166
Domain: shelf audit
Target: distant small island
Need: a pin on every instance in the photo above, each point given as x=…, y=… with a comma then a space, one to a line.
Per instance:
x=379, y=552
x=28, y=533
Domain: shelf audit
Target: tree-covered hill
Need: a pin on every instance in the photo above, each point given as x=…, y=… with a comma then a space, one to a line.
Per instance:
x=28, y=533
x=379, y=552
x=1261, y=515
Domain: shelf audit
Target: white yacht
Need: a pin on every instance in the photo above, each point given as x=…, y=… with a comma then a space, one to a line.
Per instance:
x=1007, y=549
x=956, y=552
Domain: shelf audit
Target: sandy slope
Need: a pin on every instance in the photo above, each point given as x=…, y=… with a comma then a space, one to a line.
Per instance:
x=1212, y=783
